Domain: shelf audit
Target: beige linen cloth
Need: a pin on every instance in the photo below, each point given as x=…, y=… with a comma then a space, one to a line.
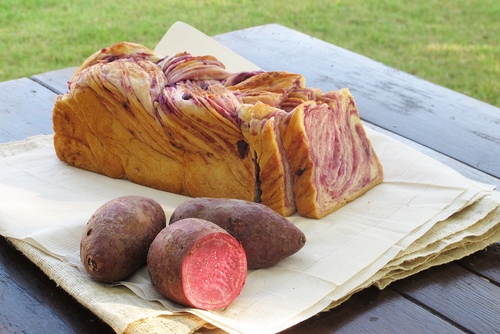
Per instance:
x=423, y=214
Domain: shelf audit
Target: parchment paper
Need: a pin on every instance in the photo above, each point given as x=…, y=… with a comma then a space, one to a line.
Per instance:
x=409, y=222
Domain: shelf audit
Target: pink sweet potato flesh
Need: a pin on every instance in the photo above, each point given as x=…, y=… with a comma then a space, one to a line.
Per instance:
x=116, y=239
x=198, y=264
x=266, y=236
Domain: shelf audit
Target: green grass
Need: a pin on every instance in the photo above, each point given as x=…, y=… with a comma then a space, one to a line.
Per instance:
x=454, y=43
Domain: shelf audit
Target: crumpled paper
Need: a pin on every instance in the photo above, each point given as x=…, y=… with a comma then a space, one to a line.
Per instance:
x=423, y=214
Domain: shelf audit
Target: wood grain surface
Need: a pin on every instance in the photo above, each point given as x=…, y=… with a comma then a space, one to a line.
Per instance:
x=30, y=302
x=471, y=302
x=375, y=311
x=25, y=109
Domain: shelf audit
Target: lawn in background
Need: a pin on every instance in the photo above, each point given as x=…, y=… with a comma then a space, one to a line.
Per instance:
x=454, y=43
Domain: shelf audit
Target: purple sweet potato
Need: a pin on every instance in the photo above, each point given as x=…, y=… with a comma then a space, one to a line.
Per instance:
x=196, y=263
x=266, y=236
x=116, y=239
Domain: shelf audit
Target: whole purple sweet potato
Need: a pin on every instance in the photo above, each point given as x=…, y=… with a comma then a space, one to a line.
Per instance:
x=196, y=263
x=266, y=236
x=116, y=239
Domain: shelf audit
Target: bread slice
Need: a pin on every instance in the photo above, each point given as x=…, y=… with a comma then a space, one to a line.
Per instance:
x=332, y=160
x=260, y=127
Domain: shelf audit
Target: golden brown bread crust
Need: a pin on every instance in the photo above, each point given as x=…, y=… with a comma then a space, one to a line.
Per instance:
x=102, y=126
x=116, y=51
x=99, y=129
x=215, y=158
x=186, y=126
x=270, y=88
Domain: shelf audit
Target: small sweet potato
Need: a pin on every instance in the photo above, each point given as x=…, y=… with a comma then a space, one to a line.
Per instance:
x=266, y=236
x=196, y=263
x=116, y=239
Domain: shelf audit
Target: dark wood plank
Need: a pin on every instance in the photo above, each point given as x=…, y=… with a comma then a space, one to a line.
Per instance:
x=375, y=311
x=31, y=302
x=465, y=170
x=457, y=294
x=486, y=263
x=25, y=109
x=446, y=121
x=57, y=80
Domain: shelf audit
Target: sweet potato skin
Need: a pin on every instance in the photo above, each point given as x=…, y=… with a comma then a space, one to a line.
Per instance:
x=196, y=263
x=266, y=236
x=116, y=239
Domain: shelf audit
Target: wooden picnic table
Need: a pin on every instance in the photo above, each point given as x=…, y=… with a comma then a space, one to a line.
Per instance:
x=461, y=132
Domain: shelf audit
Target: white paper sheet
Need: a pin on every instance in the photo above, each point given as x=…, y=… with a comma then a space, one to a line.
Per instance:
x=47, y=203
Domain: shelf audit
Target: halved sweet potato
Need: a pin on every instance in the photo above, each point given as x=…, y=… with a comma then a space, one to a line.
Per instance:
x=266, y=236
x=196, y=263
